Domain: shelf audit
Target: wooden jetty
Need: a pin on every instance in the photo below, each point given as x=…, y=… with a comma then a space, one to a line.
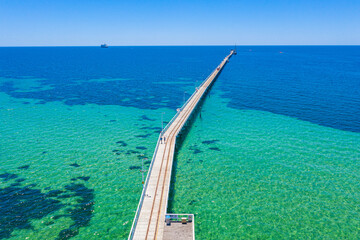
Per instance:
x=149, y=222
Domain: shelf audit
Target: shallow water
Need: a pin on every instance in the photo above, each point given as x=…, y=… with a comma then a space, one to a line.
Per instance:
x=265, y=175
x=91, y=148
x=274, y=154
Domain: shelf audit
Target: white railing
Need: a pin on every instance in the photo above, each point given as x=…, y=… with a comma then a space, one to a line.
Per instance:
x=175, y=217
x=183, y=106
x=190, y=217
x=133, y=227
x=189, y=99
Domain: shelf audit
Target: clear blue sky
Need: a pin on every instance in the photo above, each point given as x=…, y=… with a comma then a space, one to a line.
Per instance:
x=179, y=22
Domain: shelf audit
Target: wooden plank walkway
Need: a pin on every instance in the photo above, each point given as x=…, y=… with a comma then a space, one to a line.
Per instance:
x=149, y=220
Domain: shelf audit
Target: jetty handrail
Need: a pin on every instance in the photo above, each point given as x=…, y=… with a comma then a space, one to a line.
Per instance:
x=183, y=106
x=133, y=227
x=197, y=89
x=178, y=214
x=189, y=99
x=196, y=96
x=167, y=203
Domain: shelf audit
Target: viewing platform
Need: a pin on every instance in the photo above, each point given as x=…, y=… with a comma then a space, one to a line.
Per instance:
x=151, y=219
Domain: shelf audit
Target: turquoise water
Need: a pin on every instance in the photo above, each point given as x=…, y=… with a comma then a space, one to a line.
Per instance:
x=52, y=147
x=267, y=176
x=274, y=153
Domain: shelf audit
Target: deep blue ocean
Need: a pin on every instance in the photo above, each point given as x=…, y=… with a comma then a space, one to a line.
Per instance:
x=77, y=121
x=320, y=84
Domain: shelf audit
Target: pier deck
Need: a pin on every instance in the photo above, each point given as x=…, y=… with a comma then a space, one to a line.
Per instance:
x=179, y=231
x=149, y=222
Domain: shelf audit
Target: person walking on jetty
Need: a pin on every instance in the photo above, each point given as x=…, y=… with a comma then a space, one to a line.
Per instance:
x=164, y=139
x=160, y=140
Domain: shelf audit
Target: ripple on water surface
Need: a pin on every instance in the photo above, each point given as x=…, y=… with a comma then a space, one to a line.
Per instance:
x=264, y=175
x=71, y=172
x=79, y=126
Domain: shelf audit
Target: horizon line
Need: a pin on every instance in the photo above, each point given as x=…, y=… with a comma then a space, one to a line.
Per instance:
x=186, y=45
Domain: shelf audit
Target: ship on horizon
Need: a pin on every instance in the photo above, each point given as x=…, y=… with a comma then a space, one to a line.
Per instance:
x=104, y=45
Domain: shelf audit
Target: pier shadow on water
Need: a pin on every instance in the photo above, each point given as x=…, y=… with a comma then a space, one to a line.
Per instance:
x=179, y=144
x=20, y=203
